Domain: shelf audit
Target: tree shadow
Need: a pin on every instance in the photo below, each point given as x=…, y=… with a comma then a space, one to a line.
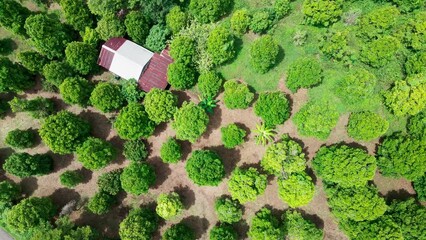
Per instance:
x=352, y=145
x=8, y=46
x=100, y=124
x=230, y=157
x=182, y=97
x=61, y=161
x=400, y=194
x=242, y=229
x=186, y=195
x=37, y=138
x=198, y=224
x=278, y=213
x=159, y=129
x=311, y=174
x=313, y=218
x=118, y=144
x=63, y=196
x=186, y=149
x=28, y=186
x=214, y=122
x=245, y=128
x=86, y=174
x=162, y=171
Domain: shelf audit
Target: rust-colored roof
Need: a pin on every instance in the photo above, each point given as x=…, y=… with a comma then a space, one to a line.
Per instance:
x=155, y=76
x=115, y=43
x=105, y=58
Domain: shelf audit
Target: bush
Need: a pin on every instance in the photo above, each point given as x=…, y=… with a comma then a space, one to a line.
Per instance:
x=135, y=150
x=407, y=97
x=90, y=36
x=284, y=157
x=237, y=95
x=12, y=16
x=176, y=19
x=157, y=37
x=262, y=20
x=183, y=49
x=77, y=14
x=95, y=153
x=82, y=57
x=20, y=139
x=366, y=126
x=130, y=91
x=381, y=228
x=209, y=84
x=38, y=107
x=414, y=32
x=420, y=187
x=32, y=60
x=181, y=76
x=344, y=165
x=205, y=168
x=228, y=210
x=107, y=97
x=263, y=54
x=206, y=11
x=9, y=194
x=416, y=125
x=133, y=122
x=416, y=64
x=304, y=73
x=402, y=156
x=335, y=45
x=109, y=27
x=220, y=45
x=169, y=205
x=410, y=216
x=232, y=135
x=281, y=8
x=63, y=132
x=137, y=178
x=240, y=21
x=264, y=225
x=171, y=151
x=137, y=26
x=100, y=203
x=409, y=5
x=357, y=86
x=297, y=190
x=29, y=214
x=70, y=179
x=316, y=119
x=273, y=108
x=223, y=232
x=76, y=90
x=106, y=7
x=300, y=228
x=13, y=77
x=56, y=72
x=246, y=184
x=26, y=165
x=322, y=12
x=190, y=122
x=160, y=105
x=141, y=223
x=378, y=22
x=110, y=182
x=379, y=52
x=179, y=231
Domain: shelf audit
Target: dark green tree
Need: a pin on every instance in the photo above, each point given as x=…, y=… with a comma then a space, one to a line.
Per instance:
x=70, y=179
x=190, y=122
x=220, y=45
x=20, y=139
x=38, y=107
x=305, y=72
x=56, y=72
x=273, y=108
x=100, y=203
x=223, y=232
x=13, y=16
x=106, y=7
x=107, y=97
x=110, y=182
x=141, y=223
x=205, y=168
x=26, y=165
x=76, y=90
x=209, y=84
x=206, y=11
x=133, y=123
x=237, y=95
x=179, y=231
x=137, y=178
x=262, y=20
x=137, y=26
x=32, y=60
x=232, y=135
x=82, y=57
x=265, y=225
x=366, y=126
x=183, y=49
x=110, y=26
x=171, y=151
x=228, y=210
x=410, y=216
x=264, y=53
x=135, y=150
x=95, y=153
x=181, y=76
x=77, y=14
x=13, y=77
x=157, y=37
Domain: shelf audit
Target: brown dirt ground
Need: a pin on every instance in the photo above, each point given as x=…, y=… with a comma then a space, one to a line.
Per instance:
x=199, y=201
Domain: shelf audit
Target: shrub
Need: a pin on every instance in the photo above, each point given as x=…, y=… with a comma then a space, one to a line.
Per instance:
x=205, y=11
x=107, y=97
x=32, y=60
x=13, y=77
x=137, y=178
x=29, y=214
x=356, y=203
x=416, y=125
x=105, y=7
x=377, y=22
x=223, y=232
x=410, y=216
x=176, y=19
x=137, y=26
x=263, y=54
x=20, y=139
x=160, y=105
x=220, y=45
x=264, y=134
x=379, y=52
x=63, y=132
x=95, y=153
x=232, y=135
x=356, y=87
x=109, y=27
x=77, y=14
x=13, y=15
x=100, y=203
x=284, y=157
x=181, y=76
x=407, y=97
x=273, y=108
x=416, y=64
x=409, y=5
x=135, y=150
x=414, y=32
x=9, y=193
x=130, y=91
x=344, y=165
x=304, y=73
x=316, y=119
x=237, y=95
x=381, y=228
x=56, y=72
x=205, y=168
x=335, y=45
x=169, y=205
x=262, y=20
x=141, y=223
x=264, y=225
x=281, y=8
x=300, y=37
x=228, y=210
x=190, y=122
x=110, y=182
x=171, y=151
x=157, y=37
x=300, y=228
x=322, y=12
x=90, y=36
x=133, y=122
x=183, y=49
x=70, y=179
x=82, y=57
x=179, y=231
x=76, y=90
x=402, y=156
x=420, y=187
x=209, y=84
x=26, y=165
x=38, y=107
x=246, y=184
x=366, y=126
x=297, y=190
x=240, y=21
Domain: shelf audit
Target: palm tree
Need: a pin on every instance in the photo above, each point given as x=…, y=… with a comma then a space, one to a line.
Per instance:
x=264, y=134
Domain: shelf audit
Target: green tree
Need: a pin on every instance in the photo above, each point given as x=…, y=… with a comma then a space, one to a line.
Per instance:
x=223, y=232
x=183, y=49
x=366, y=126
x=262, y=20
x=378, y=22
x=380, y=52
x=141, y=223
x=77, y=14
x=95, y=153
x=322, y=12
x=415, y=64
x=281, y=8
x=137, y=178
x=273, y=108
x=240, y=21
x=38, y=107
x=299, y=228
x=110, y=182
x=160, y=105
x=382, y=228
x=356, y=87
x=176, y=19
x=32, y=60
x=413, y=33
x=305, y=72
x=263, y=54
x=296, y=190
x=107, y=97
x=237, y=95
x=179, y=231
x=9, y=192
x=220, y=45
x=76, y=90
x=157, y=37
x=13, y=77
x=171, y=151
x=13, y=16
x=109, y=27
x=137, y=26
x=100, y=203
x=228, y=210
x=232, y=135
x=130, y=91
x=26, y=165
x=63, y=132
x=181, y=76
x=205, y=168
x=190, y=122
x=169, y=205
x=82, y=57
x=344, y=165
x=209, y=84
x=70, y=179
x=409, y=5
x=265, y=225
x=133, y=122
x=206, y=11
x=335, y=45
x=246, y=184
x=416, y=125
x=410, y=216
x=56, y=72
x=20, y=139
x=106, y=7
x=135, y=150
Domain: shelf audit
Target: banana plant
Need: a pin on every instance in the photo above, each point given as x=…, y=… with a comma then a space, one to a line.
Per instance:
x=208, y=104
x=264, y=134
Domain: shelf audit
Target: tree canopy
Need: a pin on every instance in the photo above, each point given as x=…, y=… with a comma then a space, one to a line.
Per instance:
x=95, y=153
x=273, y=108
x=141, y=223
x=13, y=77
x=237, y=95
x=228, y=210
x=76, y=90
x=246, y=184
x=366, y=126
x=296, y=190
x=168, y=205
x=264, y=53
x=205, y=168
x=265, y=225
x=160, y=105
x=107, y=97
x=26, y=165
x=299, y=228
x=133, y=122
x=82, y=57
x=190, y=122
x=137, y=178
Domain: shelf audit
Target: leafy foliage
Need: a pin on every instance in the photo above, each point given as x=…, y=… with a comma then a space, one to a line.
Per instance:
x=95, y=153
x=77, y=14
x=183, y=49
x=240, y=21
x=223, y=232
x=168, y=205
x=133, y=122
x=32, y=60
x=206, y=11
x=273, y=108
x=176, y=19
x=416, y=125
x=300, y=228
x=38, y=107
x=56, y=72
x=228, y=210
x=76, y=90
x=410, y=216
x=209, y=84
x=106, y=7
x=335, y=45
x=107, y=97
x=366, y=126
x=20, y=139
x=205, y=168
x=381, y=228
x=171, y=151
x=378, y=22
x=414, y=32
x=137, y=26
x=9, y=191
x=190, y=122
x=304, y=73
x=181, y=76
x=157, y=37
x=137, y=178
x=13, y=16
x=232, y=135
x=13, y=77
x=179, y=231
x=82, y=57
x=264, y=134
x=100, y=203
x=135, y=150
x=110, y=182
x=26, y=165
x=357, y=86
x=264, y=225
x=160, y=105
x=263, y=54
x=322, y=12
x=416, y=63
x=296, y=190
x=70, y=179
x=220, y=45
x=141, y=223
x=246, y=184
x=130, y=91
x=380, y=52
x=237, y=95
x=262, y=20
x=110, y=26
